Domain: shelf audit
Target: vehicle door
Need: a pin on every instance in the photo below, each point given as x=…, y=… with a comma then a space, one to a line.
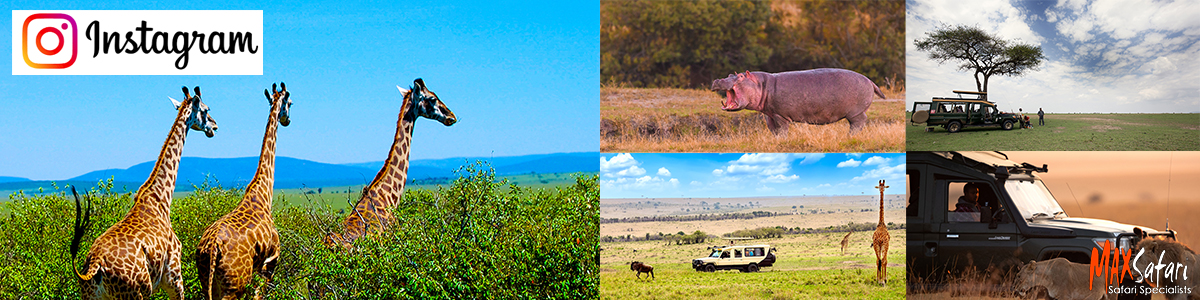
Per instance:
x=922, y=243
x=982, y=235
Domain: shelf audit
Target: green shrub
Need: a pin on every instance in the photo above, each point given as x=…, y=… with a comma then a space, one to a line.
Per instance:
x=478, y=238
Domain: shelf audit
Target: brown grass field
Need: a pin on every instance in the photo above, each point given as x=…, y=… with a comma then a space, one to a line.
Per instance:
x=686, y=120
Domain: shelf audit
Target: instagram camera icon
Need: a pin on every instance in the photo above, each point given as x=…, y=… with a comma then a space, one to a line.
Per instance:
x=46, y=28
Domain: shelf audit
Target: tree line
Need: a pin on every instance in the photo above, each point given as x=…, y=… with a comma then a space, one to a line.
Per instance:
x=700, y=217
x=687, y=44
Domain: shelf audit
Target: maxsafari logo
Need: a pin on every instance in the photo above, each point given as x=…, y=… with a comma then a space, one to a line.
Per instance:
x=204, y=42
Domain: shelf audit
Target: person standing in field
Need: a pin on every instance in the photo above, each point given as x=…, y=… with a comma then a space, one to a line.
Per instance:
x=1041, y=116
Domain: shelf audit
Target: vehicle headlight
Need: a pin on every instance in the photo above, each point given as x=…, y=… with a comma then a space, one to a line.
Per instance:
x=1122, y=245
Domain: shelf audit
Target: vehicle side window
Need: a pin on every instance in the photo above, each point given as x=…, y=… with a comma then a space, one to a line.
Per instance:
x=964, y=203
x=725, y=254
x=737, y=253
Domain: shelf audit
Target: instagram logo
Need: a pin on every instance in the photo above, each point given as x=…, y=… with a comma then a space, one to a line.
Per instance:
x=50, y=35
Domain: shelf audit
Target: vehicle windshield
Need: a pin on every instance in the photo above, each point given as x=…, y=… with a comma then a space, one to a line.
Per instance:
x=716, y=254
x=1033, y=200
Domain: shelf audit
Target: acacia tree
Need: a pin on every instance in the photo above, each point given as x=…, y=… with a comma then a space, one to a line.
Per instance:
x=980, y=52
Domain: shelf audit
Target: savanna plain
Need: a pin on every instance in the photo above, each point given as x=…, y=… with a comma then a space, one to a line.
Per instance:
x=1070, y=132
x=808, y=235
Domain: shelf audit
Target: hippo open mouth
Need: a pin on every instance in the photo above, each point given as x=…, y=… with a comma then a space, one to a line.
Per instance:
x=731, y=103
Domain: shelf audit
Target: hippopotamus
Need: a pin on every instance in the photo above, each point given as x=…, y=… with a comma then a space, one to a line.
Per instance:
x=818, y=96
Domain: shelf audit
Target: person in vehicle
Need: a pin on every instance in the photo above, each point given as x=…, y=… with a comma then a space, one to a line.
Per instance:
x=969, y=201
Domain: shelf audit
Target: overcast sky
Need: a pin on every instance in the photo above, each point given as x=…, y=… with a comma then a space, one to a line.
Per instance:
x=1102, y=56
x=711, y=175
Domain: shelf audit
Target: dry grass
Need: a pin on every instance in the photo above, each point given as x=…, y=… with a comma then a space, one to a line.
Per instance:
x=681, y=120
x=834, y=211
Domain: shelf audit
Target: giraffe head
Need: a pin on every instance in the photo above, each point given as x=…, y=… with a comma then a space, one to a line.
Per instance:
x=198, y=119
x=286, y=102
x=426, y=104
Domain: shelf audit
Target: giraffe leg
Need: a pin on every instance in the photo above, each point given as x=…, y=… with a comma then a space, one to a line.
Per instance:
x=174, y=285
x=268, y=271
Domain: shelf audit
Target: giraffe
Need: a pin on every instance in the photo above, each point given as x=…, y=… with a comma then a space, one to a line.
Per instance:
x=880, y=241
x=846, y=241
x=245, y=241
x=374, y=209
x=140, y=253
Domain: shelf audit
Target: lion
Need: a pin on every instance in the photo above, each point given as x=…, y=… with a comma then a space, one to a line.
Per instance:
x=1059, y=278
x=1172, y=252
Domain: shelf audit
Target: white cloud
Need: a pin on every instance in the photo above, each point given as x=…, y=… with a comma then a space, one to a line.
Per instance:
x=882, y=172
x=696, y=183
x=633, y=171
x=876, y=160
x=855, y=155
x=664, y=172
x=851, y=163
x=1158, y=66
x=781, y=178
x=620, y=161
x=823, y=185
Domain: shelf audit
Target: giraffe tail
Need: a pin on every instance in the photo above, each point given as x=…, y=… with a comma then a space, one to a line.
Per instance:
x=206, y=265
x=81, y=227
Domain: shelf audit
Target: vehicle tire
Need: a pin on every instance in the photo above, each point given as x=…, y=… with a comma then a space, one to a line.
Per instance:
x=710, y=268
x=1008, y=125
x=920, y=116
x=954, y=126
x=752, y=268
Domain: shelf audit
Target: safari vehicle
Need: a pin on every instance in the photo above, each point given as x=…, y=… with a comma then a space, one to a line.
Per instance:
x=1017, y=218
x=954, y=114
x=741, y=258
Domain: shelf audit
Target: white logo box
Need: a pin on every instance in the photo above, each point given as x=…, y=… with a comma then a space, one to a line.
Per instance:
x=196, y=27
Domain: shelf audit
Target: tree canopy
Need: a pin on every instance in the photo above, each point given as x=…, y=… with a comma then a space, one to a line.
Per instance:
x=690, y=43
x=980, y=52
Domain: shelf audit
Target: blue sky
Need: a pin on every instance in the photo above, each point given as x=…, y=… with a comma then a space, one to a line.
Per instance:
x=712, y=175
x=1102, y=56
x=521, y=78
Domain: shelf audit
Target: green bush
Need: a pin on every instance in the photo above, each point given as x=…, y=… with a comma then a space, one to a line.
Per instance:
x=478, y=238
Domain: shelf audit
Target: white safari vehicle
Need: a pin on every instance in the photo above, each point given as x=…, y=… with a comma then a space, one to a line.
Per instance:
x=742, y=258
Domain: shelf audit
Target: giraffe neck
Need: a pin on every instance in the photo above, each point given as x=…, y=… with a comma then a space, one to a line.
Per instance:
x=155, y=194
x=389, y=183
x=880, y=206
x=263, y=183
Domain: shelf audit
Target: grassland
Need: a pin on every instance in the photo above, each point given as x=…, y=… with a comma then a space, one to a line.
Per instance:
x=684, y=120
x=1072, y=132
x=808, y=265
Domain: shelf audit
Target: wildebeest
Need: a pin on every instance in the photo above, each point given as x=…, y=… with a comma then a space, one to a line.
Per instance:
x=641, y=268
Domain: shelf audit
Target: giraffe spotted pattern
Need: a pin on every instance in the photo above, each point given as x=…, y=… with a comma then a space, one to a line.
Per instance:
x=245, y=241
x=373, y=212
x=140, y=253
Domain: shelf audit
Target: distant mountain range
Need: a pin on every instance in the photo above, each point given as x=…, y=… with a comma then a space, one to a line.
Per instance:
x=295, y=173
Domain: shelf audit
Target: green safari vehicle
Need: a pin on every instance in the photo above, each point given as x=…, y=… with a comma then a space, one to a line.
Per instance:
x=954, y=114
